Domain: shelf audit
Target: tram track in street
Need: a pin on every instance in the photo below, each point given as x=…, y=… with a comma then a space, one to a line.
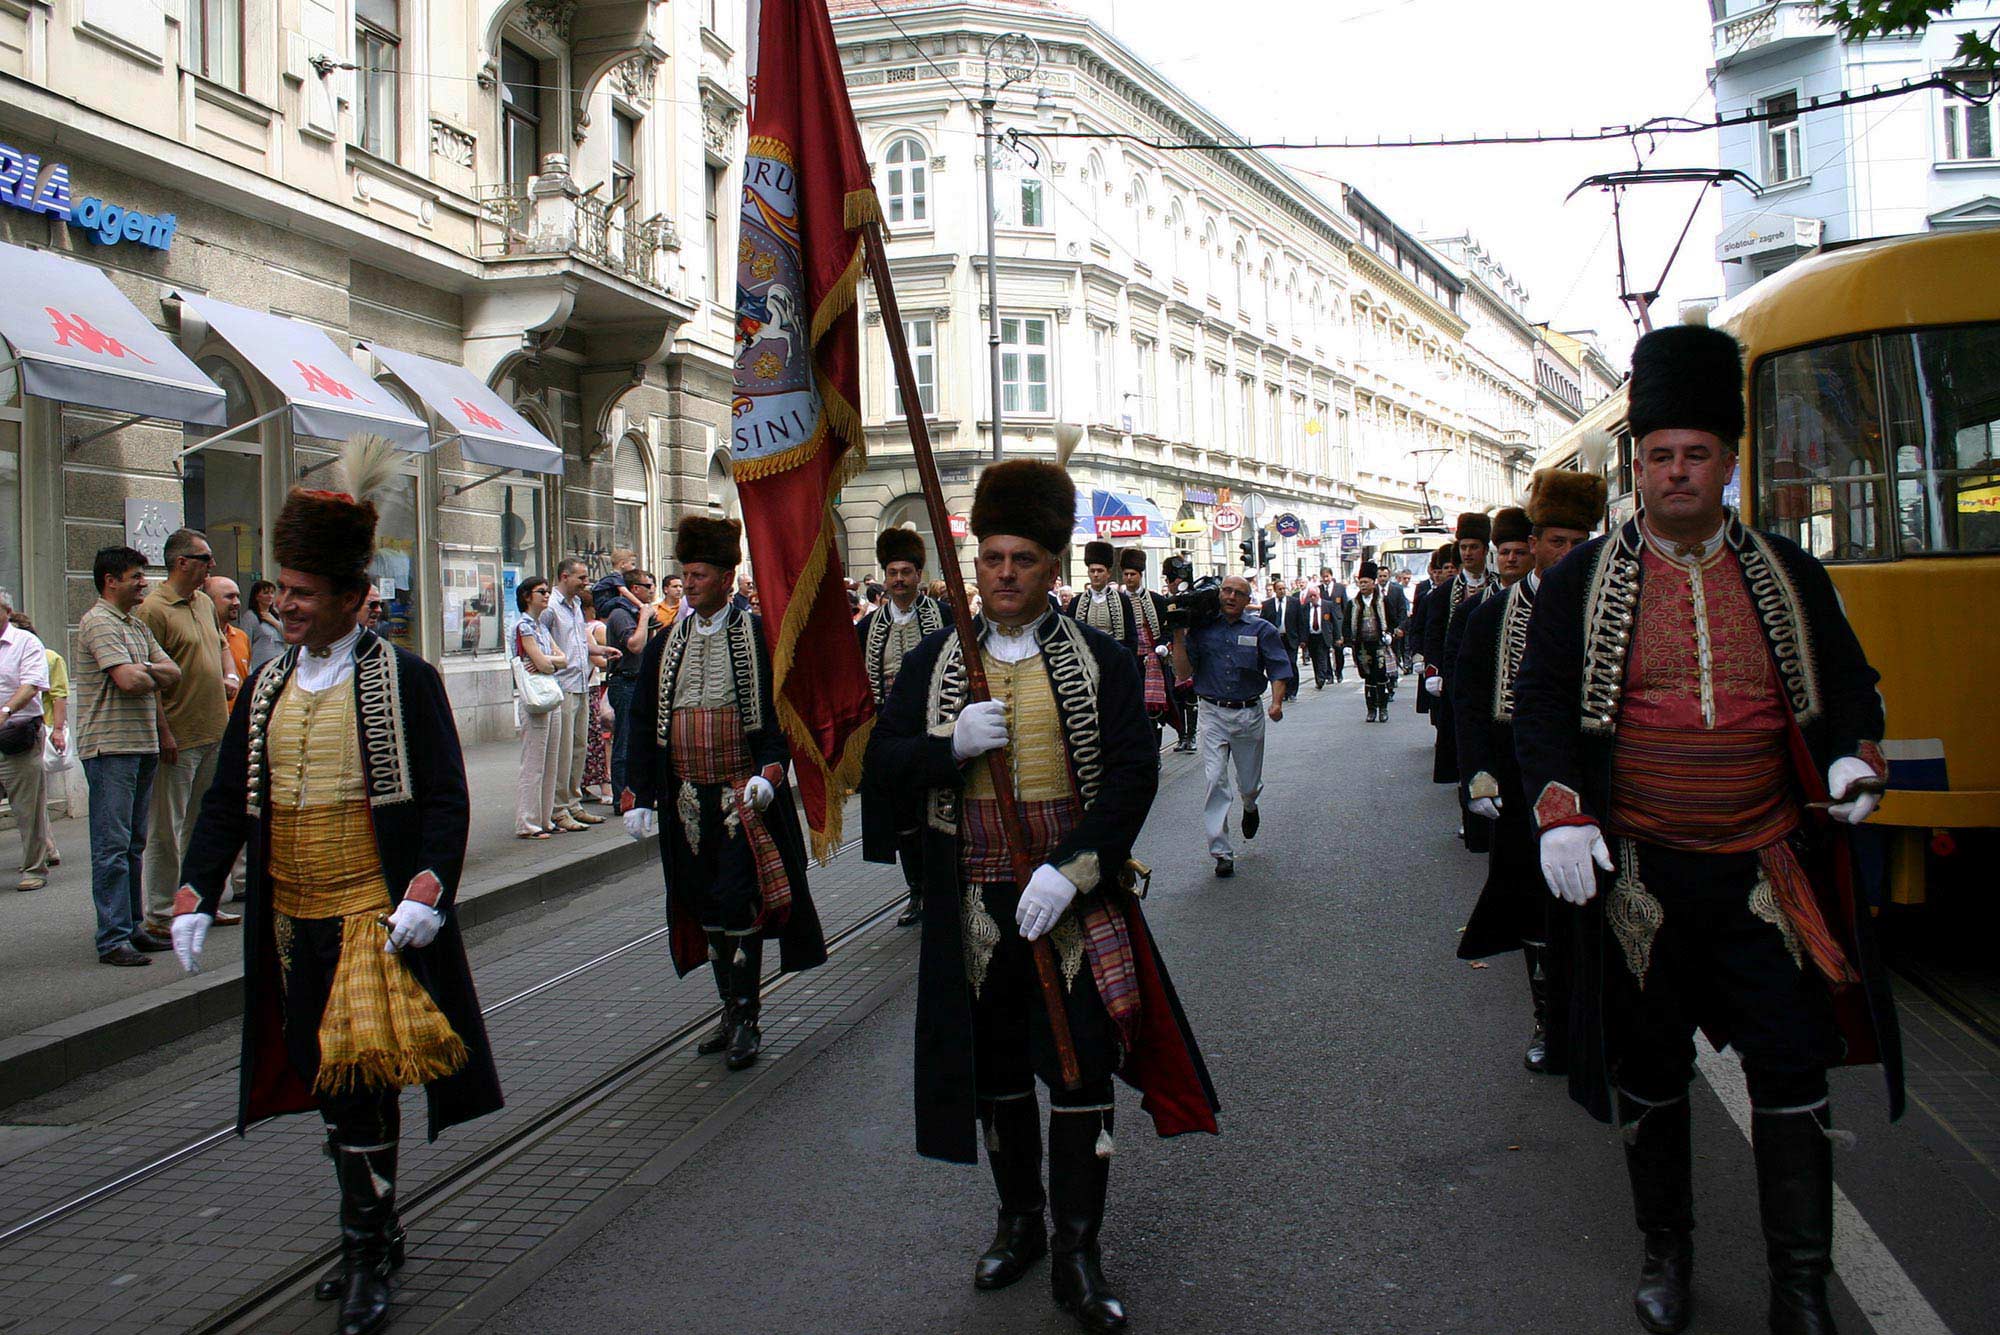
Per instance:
x=112, y=1187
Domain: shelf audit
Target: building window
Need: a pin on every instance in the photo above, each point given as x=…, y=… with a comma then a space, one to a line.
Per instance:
x=1144, y=411
x=1034, y=207
x=624, y=160
x=215, y=41
x=378, y=45
x=1183, y=423
x=520, y=116
x=921, y=336
x=1782, y=144
x=712, y=225
x=1104, y=369
x=1968, y=124
x=1218, y=411
x=1024, y=364
x=1246, y=415
x=631, y=493
x=1273, y=438
x=908, y=182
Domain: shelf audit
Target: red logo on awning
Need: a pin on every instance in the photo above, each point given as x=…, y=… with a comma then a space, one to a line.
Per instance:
x=72, y=330
x=477, y=417
x=1121, y=526
x=319, y=382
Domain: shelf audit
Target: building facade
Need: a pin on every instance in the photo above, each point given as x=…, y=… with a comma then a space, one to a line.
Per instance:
x=539, y=191
x=1898, y=165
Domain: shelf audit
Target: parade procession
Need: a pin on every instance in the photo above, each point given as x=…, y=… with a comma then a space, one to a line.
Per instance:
x=842, y=665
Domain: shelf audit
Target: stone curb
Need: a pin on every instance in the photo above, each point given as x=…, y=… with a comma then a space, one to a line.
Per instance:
x=51, y=1055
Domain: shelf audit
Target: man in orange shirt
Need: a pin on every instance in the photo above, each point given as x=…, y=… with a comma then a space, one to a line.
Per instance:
x=228, y=600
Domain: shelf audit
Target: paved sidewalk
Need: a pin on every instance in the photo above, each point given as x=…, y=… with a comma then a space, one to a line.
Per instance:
x=67, y=1015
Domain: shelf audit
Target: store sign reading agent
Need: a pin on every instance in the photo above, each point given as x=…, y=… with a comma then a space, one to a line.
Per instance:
x=33, y=186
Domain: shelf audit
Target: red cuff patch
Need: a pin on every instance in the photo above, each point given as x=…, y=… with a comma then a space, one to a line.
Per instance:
x=775, y=775
x=185, y=901
x=426, y=889
x=1559, y=805
x=1871, y=755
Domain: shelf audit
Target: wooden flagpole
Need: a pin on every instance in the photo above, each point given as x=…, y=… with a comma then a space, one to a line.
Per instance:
x=961, y=615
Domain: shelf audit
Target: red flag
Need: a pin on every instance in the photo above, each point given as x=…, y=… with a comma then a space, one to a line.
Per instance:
x=796, y=434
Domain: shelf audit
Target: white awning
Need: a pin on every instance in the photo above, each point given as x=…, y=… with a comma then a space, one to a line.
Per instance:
x=75, y=338
x=327, y=395
x=486, y=426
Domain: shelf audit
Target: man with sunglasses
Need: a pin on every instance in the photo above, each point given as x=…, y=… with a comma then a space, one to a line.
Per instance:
x=628, y=624
x=194, y=712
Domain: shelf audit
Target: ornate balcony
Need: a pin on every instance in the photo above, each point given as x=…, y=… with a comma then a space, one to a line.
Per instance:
x=553, y=218
x=1767, y=28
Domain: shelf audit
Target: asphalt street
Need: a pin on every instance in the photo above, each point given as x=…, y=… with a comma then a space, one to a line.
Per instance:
x=1385, y=1163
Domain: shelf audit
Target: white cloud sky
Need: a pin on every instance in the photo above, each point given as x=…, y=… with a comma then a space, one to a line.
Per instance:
x=1295, y=69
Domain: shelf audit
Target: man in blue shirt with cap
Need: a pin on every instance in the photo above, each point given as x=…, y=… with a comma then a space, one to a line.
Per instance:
x=1230, y=658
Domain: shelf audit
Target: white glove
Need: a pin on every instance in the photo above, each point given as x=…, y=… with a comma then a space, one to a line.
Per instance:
x=1567, y=852
x=1417, y=663
x=1489, y=807
x=1843, y=774
x=1163, y=650
x=1433, y=685
x=642, y=822
x=759, y=793
x=190, y=931
x=1048, y=894
x=412, y=926
x=981, y=727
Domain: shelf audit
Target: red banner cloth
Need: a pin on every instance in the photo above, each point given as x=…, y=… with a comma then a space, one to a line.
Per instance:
x=796, y=434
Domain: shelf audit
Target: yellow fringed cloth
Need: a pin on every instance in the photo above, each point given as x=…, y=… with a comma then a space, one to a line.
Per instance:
x=380, y=1028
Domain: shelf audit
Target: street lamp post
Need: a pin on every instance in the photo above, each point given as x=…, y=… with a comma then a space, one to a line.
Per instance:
x=1018, y=58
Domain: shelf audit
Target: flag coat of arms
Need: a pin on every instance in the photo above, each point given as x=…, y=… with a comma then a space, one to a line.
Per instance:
x=796, y=435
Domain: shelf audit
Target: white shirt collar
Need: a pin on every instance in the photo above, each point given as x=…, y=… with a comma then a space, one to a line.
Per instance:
x=709, y=625
x=897, y=616
x=1686, y=553
x=319, y=672
x=1101, y=595
x=1011, y=645
x=340, y=648
x=1534, y=581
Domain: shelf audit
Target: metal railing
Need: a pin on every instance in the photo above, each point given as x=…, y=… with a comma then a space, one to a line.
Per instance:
x=520, y=222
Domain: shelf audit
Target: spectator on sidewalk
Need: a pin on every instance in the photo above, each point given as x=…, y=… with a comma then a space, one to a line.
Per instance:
x=55, y=719
x=193, y=712
x=627, y=626
x=535, y=792
x=565, y=623
x=610, y=590
x=260, y=623
x=673, y=600
x=222, y=591
x=597, y=713
x=24, y=676
x=120, y=670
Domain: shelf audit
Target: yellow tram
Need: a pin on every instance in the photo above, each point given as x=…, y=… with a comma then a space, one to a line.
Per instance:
x=1873, y=440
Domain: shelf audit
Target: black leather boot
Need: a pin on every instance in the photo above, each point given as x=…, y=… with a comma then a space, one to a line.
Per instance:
x=1795, y=1197
x=747, y=983
x=334, y=1282
x=1078, y=1178
x=1541, y=1057
x=720, y=948
x=1013, y=1130
x=914, y=913
x=1659, y=1159
x=367, y=1221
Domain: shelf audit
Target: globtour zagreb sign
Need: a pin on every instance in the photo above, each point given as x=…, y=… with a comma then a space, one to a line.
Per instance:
x=29, y=184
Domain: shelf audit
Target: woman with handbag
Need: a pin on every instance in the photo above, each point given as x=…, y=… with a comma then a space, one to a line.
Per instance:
x=536, y=659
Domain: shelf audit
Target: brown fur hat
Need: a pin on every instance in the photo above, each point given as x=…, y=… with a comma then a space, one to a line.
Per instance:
x=899, y=544
x=1510, y=524
x=714, y=542
x=1446, y=554
x=1563, y=498
x=1474, y=524
x=1099, y=554
x=1026, y=498
x=1132, y=559
x=325, y=533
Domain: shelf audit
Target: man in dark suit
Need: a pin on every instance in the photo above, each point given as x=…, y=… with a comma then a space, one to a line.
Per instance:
x=1333, y=612
x=1397, y=600
x=1323, y=629
x=1284, y=611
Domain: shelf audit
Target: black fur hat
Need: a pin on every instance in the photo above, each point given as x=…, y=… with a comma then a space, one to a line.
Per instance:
x=1368, y=570
x=1474, y=524
x=1099, y=554
x=1562, y=498
x=1132, y=559
x=899, y=544
x=1689, y=377
x=1026, y=498
x=715, y=542
x=1510, y=524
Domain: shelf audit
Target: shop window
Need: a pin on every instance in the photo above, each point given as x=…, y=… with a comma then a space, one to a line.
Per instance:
x=1968, y=121
x=520, y=116
x=921, y=336
x=215, y=41
x=222, y=485
x=631, y=508
x=378, y=49
x=907, y=180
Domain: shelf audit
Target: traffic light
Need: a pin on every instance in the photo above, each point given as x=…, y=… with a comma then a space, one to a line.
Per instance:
x=1265, y=548
x=1249, y=556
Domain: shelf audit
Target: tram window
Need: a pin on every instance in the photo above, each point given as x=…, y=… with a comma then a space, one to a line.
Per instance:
x=1914, y=416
